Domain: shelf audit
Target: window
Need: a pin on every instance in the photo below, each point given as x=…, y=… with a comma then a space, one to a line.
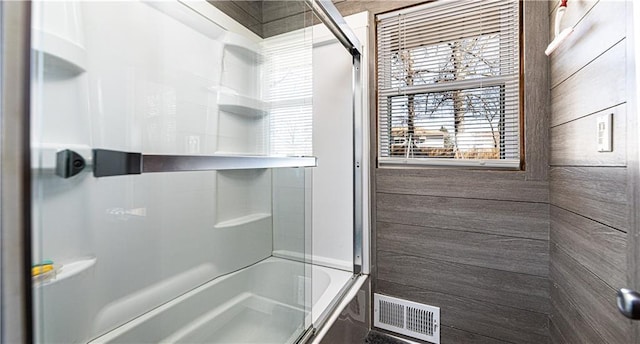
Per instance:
x=449, y=84
x=288, y=74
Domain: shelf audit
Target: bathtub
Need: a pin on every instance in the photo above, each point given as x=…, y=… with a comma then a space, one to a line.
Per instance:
x=263, y=303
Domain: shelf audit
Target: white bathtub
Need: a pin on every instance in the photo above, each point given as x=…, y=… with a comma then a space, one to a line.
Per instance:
x=264, y=303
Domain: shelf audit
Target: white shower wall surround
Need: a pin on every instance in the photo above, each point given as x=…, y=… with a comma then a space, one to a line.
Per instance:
x=150, y=84
x=160, y=78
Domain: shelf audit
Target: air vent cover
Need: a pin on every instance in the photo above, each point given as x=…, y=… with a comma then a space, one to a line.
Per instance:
x=408, y=318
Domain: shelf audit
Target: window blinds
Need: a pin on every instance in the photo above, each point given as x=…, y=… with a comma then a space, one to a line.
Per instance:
x=288, y=75
x=448, y=83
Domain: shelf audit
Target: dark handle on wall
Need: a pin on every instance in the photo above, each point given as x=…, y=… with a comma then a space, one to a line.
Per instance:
x=629, y=303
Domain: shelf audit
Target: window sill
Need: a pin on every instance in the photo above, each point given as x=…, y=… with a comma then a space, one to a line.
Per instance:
x=450, y=163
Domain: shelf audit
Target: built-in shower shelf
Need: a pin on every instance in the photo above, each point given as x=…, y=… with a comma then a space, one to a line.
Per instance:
x=60, y=56
x=243, y=220
x=241, y=153
x=69, y=270
x=241, y=105
x=241, y=110
x=242, y=46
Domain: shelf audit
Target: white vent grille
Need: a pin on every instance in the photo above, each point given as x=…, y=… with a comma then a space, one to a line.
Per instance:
x=408, y=318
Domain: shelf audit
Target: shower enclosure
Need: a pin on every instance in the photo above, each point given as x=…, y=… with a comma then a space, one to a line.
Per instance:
x=192, y=181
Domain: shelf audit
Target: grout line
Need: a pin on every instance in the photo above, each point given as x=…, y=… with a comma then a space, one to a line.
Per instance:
x=470, y=298
x=395, y=336
x=553, y=166
x=570, y=298
x=246, y=14
x=568, y=254
x=464, y=264
x=459, y=197
x=553, y=324
x=586, y=14
x=464, y=231
x=586, y=64
x=587, y=115
x=555, y=7
x=588, y=166
x=288, y=16
x=480, y=334
x=571, y=304
x=586, y=217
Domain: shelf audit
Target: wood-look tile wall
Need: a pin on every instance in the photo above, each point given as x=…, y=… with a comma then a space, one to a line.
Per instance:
x=245, y=12
x=268, y=18
x=588, y=197
x=476, y=243
x=273, y=17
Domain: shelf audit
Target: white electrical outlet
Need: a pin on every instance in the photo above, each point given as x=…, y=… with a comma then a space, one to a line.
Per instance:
x=604, y=133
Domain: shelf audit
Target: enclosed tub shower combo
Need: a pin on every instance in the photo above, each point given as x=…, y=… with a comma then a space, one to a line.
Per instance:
x=193, y=182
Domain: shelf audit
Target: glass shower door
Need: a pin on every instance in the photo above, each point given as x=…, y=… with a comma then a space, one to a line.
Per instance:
x=157, y=202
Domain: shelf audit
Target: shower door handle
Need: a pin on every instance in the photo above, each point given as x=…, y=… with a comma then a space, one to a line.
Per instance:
x=629, y=303
x=108, y=163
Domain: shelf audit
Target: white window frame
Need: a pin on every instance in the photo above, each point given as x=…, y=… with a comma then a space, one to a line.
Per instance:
x=509, y=164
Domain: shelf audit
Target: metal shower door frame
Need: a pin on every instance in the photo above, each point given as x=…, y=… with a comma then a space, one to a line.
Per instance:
x=331, y=17
x=16, y=323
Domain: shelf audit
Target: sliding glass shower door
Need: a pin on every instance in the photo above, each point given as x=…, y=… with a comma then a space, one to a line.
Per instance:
x=162, y=179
